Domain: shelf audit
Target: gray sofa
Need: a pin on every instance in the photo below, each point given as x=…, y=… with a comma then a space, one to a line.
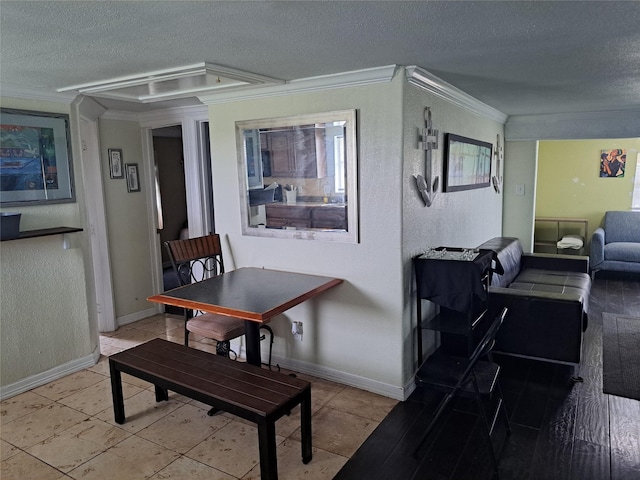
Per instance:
x=616, y=246
x=547, y=297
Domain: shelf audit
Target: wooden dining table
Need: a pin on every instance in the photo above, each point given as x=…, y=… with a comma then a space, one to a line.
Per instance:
x=253, y=294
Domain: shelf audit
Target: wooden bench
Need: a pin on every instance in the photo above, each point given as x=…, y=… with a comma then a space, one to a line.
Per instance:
x=250, y=392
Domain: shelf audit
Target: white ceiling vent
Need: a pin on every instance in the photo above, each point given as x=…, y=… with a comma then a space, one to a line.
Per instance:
x=188, y=81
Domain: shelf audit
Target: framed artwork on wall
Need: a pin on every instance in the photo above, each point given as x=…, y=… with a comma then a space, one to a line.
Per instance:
x=613, y=162
x=36, y=166
x=467, y=163
x=133, y=180
x=115, y=163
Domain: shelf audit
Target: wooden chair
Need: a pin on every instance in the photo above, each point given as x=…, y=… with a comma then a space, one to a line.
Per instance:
x=195, y=260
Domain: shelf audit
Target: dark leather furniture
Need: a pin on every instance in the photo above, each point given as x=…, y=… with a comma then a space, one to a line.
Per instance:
x=548, y=301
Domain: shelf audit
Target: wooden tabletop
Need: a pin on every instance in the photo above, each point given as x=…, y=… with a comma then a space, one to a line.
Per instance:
x=256, y=294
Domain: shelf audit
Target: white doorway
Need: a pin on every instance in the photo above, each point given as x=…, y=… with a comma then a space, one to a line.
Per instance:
x=192, y=190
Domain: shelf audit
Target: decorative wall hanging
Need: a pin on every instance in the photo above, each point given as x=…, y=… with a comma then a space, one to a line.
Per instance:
x=115, y=163
x=133, y=180
x=427, y=141
x=35, y=158
x=613, y=162
x=467, y=163
x=497, y=178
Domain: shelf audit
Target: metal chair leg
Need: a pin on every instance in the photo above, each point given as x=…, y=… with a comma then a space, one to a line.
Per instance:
x=262, y=337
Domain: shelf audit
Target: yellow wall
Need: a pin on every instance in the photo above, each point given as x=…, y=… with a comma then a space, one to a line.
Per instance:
x=569, y=183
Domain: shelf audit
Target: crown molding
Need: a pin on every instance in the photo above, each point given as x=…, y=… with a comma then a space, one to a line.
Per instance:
x=172, y=83
x=157, y=117
x=173, y=115
x=31, y=93
x=120, y=115
x=355, y=78
x=420, y=78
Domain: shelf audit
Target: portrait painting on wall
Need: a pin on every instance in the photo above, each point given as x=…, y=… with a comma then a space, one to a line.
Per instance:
x=613, y=162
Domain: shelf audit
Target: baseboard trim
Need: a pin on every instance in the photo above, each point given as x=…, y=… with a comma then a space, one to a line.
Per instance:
x=21, y=386
x=134, y=317
x=343, y=378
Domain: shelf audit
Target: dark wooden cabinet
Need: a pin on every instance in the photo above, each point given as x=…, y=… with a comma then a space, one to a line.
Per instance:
x=280, y=215
x=292, y=152
x=281, y=154
x=332, y=217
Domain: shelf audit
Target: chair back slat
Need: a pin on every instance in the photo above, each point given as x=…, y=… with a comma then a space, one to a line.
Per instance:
x=195, y=259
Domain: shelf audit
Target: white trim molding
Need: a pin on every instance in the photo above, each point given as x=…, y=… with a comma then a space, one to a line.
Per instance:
x=50, y=375
x=420, y=78
x=135, y=316
x=356, y=78
x=30, y=93
x=159, y=118
x=343, y=378
x=172, y=83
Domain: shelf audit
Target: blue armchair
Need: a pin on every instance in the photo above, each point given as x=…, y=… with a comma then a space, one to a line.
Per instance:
x=616, y=246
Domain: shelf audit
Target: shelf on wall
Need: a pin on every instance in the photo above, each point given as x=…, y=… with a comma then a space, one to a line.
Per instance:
x=44, y=232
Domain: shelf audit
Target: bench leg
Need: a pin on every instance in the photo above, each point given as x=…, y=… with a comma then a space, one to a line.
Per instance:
x=162, y=394
x=116, y=394
x=267, y=447
x=305, y=426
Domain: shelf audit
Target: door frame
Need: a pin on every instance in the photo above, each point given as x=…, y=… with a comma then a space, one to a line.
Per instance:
x=199, y=211
x=102, y=304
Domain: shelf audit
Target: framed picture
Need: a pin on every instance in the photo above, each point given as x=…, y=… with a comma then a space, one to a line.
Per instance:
x=467, y=163
x=613, y=162
x=115, y=163
x=35, y=158
x=133, y=181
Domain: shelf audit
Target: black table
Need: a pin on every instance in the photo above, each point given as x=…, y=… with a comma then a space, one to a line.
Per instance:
x=253, y=294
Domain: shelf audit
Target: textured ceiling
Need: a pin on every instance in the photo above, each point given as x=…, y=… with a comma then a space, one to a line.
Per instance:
x=519, y=57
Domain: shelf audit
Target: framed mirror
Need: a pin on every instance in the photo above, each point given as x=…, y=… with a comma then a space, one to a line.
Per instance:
x=298, y=176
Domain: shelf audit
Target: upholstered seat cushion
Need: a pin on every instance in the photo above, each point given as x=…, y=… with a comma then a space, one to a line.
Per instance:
x=551, y=277
x=622, y=251
x=217, y=327
x=535, y=280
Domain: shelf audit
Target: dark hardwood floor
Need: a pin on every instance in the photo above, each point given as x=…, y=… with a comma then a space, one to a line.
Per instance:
x=560, y=430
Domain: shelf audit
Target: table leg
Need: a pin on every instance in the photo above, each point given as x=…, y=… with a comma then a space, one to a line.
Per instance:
x=116, y=394
x=252, y=335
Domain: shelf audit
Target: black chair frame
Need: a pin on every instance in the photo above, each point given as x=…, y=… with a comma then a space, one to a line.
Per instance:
x=467, y=377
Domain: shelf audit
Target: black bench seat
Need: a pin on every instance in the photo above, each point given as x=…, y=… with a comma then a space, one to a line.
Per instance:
x=250, y=392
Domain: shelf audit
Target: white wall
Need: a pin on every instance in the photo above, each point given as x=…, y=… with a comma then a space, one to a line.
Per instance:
x=457, y=219
x=44, y=318
x=355, y=328
x=520, y=166
x=129, y=223
x=361, y=331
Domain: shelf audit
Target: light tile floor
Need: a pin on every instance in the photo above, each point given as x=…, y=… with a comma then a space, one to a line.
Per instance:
x=65, y=429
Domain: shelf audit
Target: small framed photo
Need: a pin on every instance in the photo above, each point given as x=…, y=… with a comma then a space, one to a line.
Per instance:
x=115, y=163
x=133, y=180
